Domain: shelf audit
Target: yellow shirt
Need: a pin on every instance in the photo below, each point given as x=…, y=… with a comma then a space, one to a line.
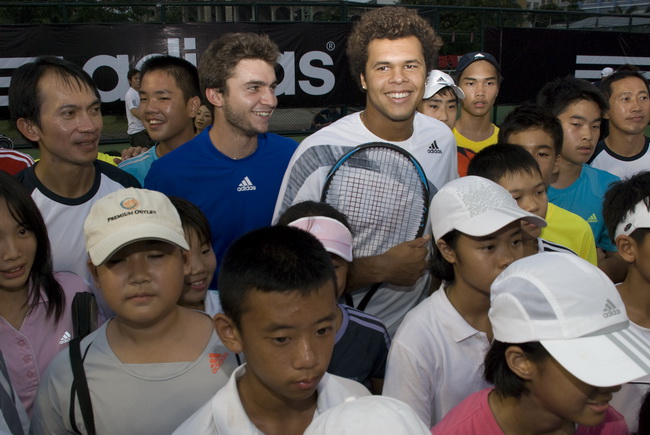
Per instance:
x=462, y=141
x=570, y=230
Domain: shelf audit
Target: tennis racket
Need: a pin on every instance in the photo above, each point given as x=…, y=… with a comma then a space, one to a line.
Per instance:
x=383, y=191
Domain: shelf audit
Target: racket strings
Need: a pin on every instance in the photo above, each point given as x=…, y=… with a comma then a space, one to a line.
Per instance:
x=382, y=194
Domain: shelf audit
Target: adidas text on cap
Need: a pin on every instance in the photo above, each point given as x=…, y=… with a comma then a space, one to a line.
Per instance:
x=127, y=216
x=469, y=58
x=574, y=310
x=336, y=238
x=438, y=80
x=475, y=206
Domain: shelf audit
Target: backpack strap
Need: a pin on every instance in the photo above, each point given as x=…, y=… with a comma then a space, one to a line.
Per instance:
x=80, y=388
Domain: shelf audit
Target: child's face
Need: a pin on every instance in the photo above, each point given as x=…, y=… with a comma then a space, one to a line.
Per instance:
x=341, y=270
x=288, y=340
x=143, y=281
x=203, y=263
x=17, y=252
x=561, y=395
x=478, y=260
x=540, y=145
x=442, y=106
x=529, y=190
x=480, y=83
x=581, y=126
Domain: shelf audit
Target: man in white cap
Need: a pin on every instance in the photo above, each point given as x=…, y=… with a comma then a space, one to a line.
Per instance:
x=441, y=96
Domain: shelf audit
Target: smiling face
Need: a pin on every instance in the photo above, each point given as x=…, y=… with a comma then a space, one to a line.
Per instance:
x=168, y=114
x=629, y=106
x=480, y=83
x=203, y=263
x=17, y=252
x=581, y=127
x=143, y=281
x=288, y=338
x=561, y=396
x=394, y=78
x=249, y=100
x=70, y=124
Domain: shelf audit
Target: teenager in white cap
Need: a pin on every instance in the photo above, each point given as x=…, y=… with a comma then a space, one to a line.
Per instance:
x=562, y=346
x=153, y=364
x=441, y=96
x=435, y=359
x=362, y=341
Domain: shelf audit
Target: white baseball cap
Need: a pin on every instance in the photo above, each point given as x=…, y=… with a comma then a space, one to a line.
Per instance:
x=574, y=310
x=377, y=415
x=127, y=216
x=335, y=236
x=436, y=80
x=475, y=206
x=639, y=217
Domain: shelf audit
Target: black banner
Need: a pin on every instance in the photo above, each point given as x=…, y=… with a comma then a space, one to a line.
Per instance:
x=313, y=68
x=531, y=57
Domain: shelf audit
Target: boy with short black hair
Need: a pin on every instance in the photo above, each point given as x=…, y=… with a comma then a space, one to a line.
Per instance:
x=138, y=258
x=514, y=169
x=479, y=76
x=626, y=210
x=579, y=188
x=540, y=133
x=277, y=290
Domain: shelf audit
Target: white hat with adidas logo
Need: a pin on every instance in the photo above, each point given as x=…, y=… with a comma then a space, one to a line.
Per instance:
x=574, y=310
x=436, y=80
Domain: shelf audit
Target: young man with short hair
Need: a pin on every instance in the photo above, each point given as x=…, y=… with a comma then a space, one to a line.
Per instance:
x=479, y=76
x=232, y=170
x=56, y=106
x=278, y=292
x=579, y=188
x=169, y=99
x=138, y=136
x=390, y=50
x=624, y=151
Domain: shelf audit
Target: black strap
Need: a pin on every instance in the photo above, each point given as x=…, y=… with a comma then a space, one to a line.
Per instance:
x=84, y=314
x=80, y=387
x=8, y=403
x=366, y=298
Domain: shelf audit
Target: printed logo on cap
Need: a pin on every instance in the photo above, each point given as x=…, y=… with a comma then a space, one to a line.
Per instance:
x=130, y=204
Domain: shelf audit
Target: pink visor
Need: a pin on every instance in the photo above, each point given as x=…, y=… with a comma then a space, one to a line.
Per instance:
x=336, y=238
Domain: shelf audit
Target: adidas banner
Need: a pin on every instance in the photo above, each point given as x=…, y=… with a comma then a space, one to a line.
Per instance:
x=313, y=69
x=531, y=57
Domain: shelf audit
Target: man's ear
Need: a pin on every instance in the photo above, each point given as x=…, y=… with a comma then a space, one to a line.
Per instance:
x=214, y=96
x=28, y=129
x=364, y=85
x=228, y=332
x=556, y=164
x=193, y=105
x=447, y=252
x=519, y=363
x=627, y=248
x=93, y=272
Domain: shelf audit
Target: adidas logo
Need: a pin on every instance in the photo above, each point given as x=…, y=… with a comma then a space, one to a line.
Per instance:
x=441, y=79
x=246, y=184
x=610, y=309
x=433, y=148
x=216, y=360
x=592, y=219
x=66, y=337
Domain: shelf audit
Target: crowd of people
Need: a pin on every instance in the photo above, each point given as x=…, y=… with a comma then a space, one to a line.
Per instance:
x=228, y=297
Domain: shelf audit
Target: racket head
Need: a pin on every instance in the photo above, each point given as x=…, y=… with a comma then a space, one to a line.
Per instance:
x=383, y=191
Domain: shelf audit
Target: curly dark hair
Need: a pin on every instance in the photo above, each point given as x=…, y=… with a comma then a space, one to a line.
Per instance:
x=390, y=22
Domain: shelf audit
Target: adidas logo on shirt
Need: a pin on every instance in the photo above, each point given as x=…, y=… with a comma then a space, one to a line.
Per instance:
x=592, y=219
x=66, y=337
x=610, y=309
x=433, y=148
x=246, y=184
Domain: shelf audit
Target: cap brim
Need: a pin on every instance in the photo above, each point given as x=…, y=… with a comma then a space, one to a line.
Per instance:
x=430, y=91
x=341, y=249
x=104, y=249
x=604, y=360
x=493, y=220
